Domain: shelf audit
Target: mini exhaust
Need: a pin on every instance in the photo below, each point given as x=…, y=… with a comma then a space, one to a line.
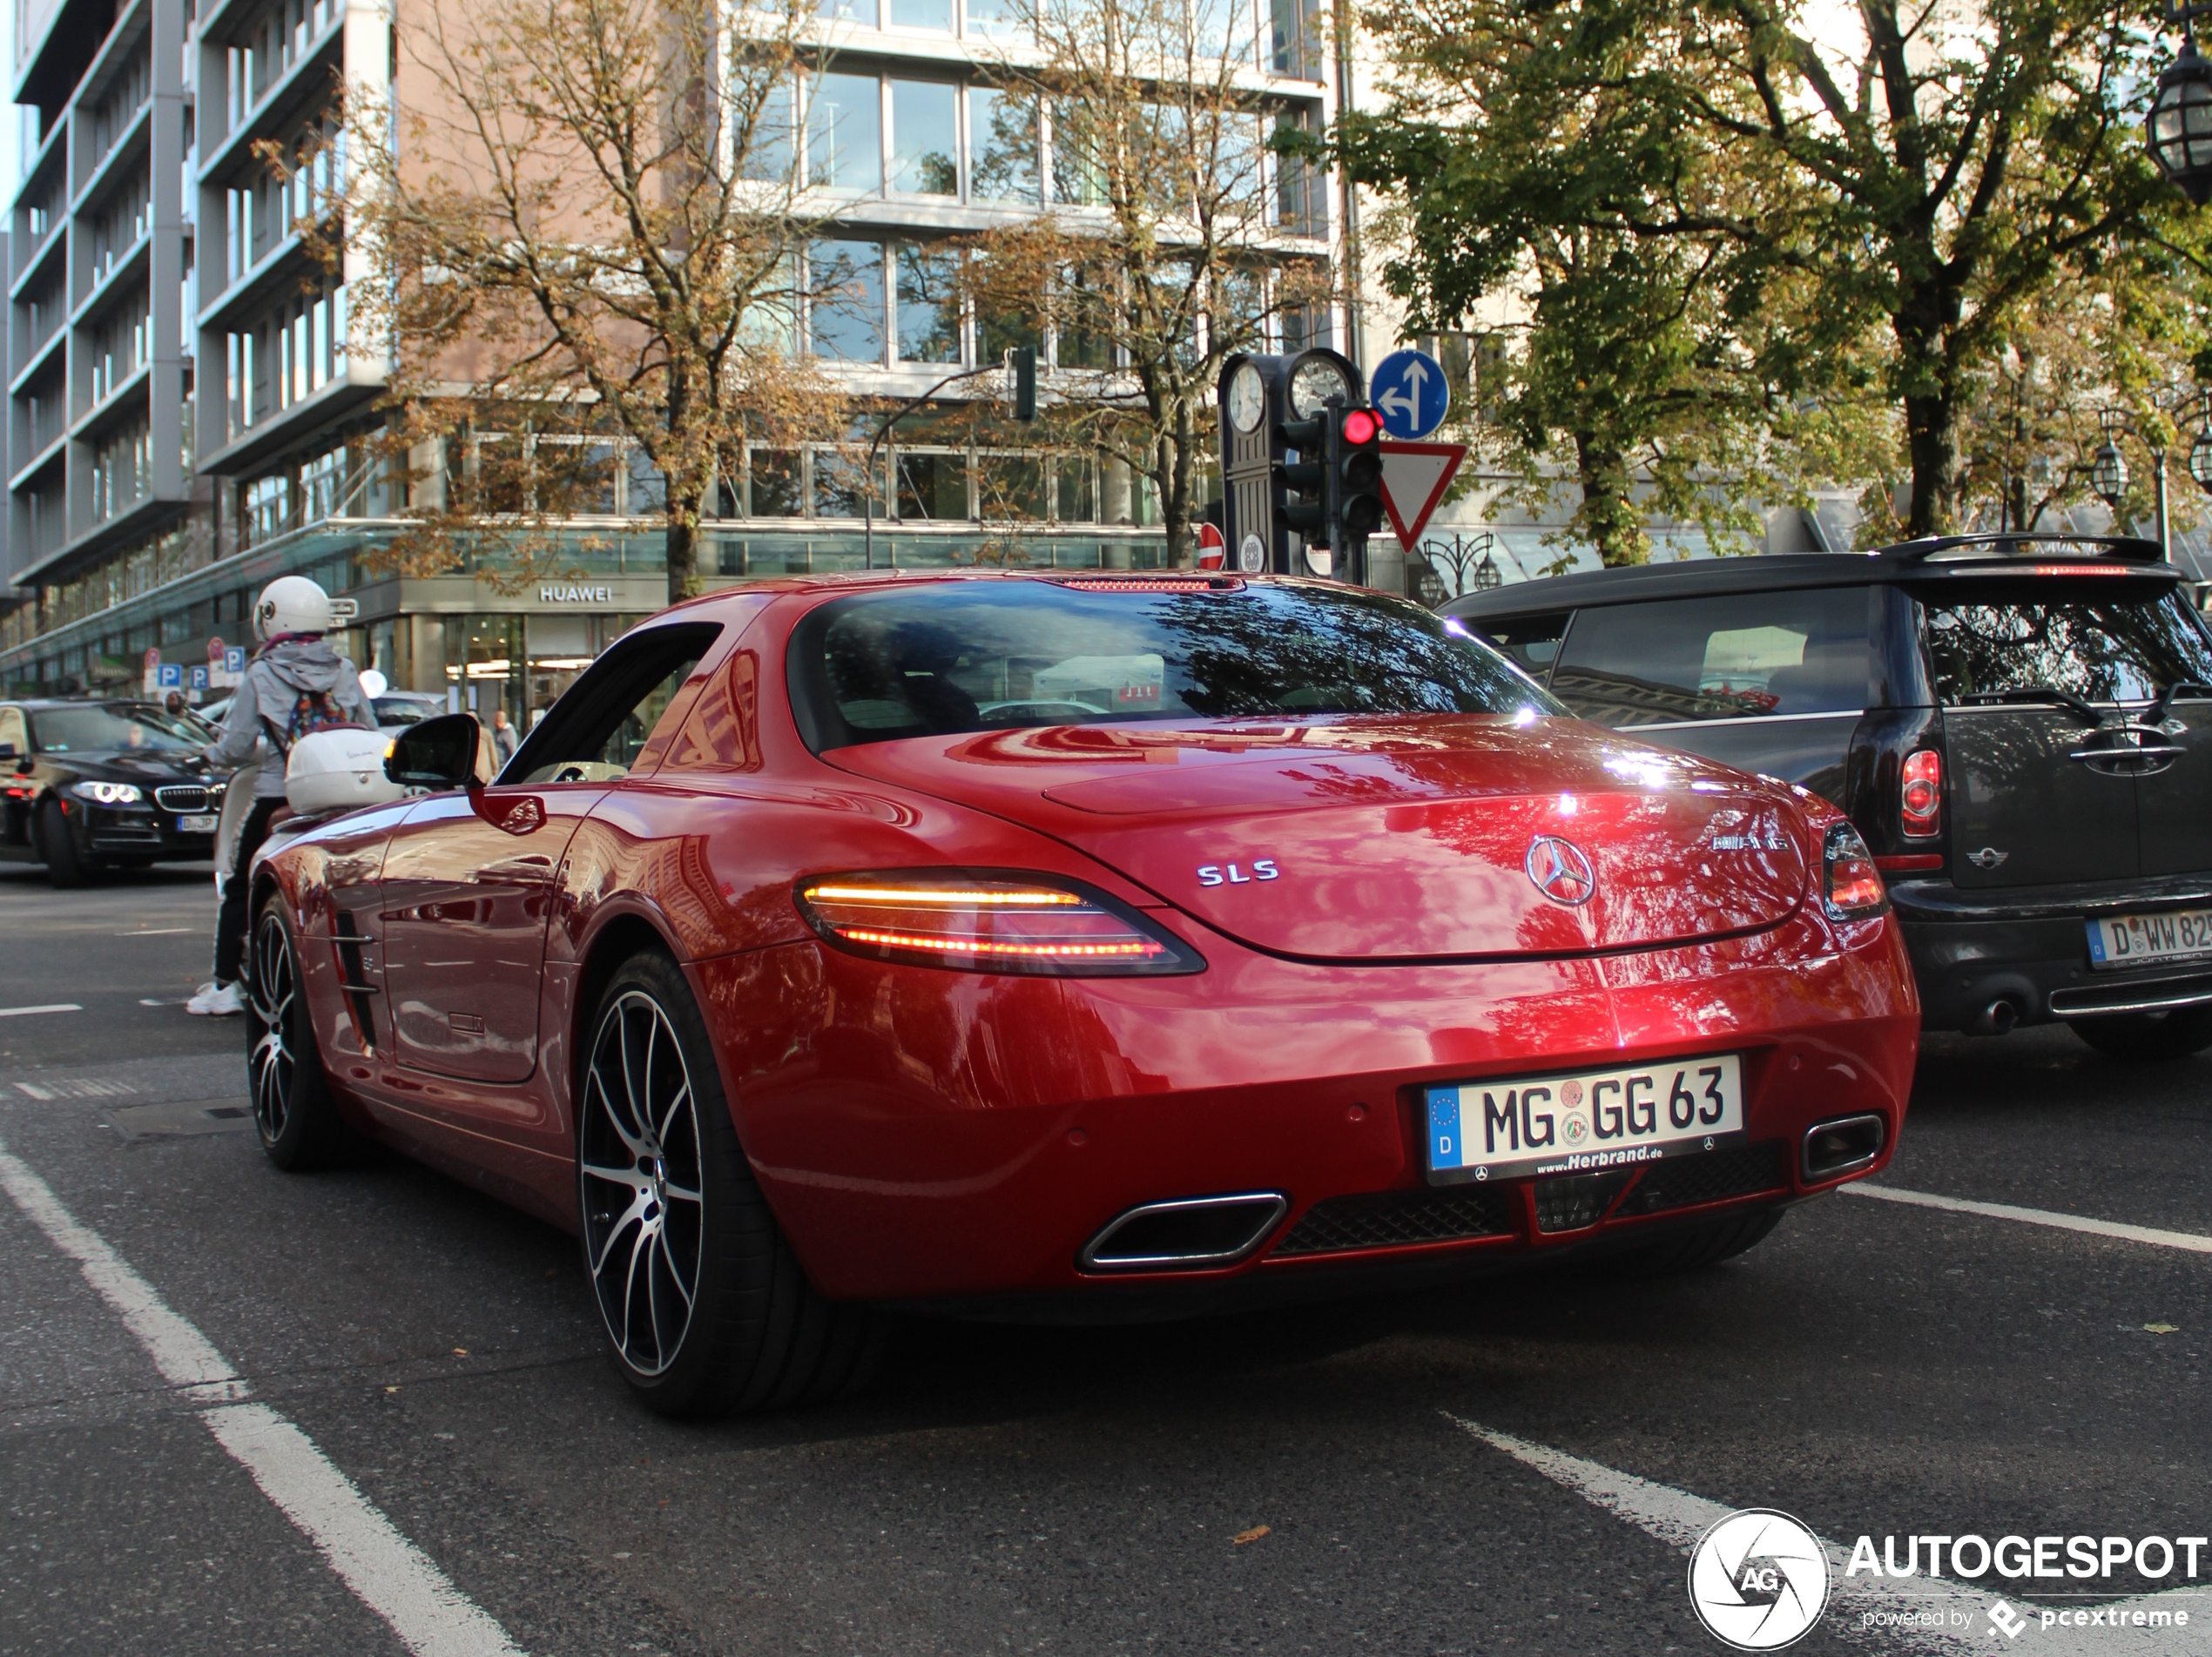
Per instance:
x=1186, y=1233
x=1842, y=1146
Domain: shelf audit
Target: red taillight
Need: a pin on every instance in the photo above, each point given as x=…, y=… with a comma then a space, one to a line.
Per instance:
x=989, y=923
x=1852, y=885
x=1922, y=807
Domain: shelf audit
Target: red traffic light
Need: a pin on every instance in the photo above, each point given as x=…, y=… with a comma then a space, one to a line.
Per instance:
x=1360, y=426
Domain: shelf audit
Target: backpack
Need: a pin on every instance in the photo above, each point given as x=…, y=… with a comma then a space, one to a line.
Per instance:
x=311, y=710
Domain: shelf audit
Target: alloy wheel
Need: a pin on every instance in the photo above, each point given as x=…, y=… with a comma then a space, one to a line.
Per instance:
x=270, y=986
x=643, y=1211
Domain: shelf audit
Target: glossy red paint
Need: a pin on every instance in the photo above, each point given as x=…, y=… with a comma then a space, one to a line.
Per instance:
x=925, y=1134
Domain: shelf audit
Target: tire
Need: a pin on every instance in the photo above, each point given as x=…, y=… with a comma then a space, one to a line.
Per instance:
x=669, y=1204
x=2149, y=1038
x=66, y=867
x=1697, y=1247
x=294, y=1110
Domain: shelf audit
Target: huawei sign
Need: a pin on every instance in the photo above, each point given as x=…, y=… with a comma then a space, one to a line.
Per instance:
x=1560, y=870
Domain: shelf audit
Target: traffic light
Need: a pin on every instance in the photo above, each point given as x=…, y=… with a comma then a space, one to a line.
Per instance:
x=1304, y=484
x=1355, y=475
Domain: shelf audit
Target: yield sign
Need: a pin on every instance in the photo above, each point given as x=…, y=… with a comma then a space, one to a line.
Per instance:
x=1414, y=478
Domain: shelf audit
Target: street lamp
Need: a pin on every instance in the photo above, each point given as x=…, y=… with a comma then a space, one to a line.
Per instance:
x=2179, y=127
x=2201, y=450
x=2109, y=466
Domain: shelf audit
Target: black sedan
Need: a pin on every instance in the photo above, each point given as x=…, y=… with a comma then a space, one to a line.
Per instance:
x=90, y=785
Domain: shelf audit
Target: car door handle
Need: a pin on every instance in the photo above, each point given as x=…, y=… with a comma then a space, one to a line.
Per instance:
x=534, y=866
x=2149, y=750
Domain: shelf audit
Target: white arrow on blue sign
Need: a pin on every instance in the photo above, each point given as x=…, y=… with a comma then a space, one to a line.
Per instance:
x=1408, y=391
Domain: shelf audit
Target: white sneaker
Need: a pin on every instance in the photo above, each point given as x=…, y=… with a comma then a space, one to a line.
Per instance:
x=217, y=1001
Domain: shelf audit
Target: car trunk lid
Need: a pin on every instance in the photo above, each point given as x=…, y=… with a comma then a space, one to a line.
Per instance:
x=1402, y=838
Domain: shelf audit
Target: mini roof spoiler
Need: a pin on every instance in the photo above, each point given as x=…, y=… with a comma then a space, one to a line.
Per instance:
x=2026, y=543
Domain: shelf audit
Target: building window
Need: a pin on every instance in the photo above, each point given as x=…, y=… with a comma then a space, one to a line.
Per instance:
x=924, y=138
x=935, y=15
x=1002, y=146
x=845, y=133
x=264, y=505
x=322, y=481
x=844, y=300
x=928, y=305
x=997, y=18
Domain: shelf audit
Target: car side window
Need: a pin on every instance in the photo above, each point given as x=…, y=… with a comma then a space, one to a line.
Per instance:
x=1533, y=641
x=602, y=722
x=1734, y=656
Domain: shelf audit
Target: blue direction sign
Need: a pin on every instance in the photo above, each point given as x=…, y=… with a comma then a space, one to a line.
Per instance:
x=1408, y=389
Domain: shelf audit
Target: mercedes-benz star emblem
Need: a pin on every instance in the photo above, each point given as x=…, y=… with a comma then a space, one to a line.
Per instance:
x=1561, y=870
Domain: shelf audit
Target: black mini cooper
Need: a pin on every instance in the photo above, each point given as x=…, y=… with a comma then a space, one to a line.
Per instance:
x=89, y=785
x=2019, y=725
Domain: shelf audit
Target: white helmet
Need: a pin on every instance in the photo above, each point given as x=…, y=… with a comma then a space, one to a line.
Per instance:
x=292, y=604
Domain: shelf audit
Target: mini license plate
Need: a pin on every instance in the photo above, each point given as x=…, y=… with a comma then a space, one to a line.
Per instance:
x=199, y=823
x=1508, y=1128
x=2143, y=940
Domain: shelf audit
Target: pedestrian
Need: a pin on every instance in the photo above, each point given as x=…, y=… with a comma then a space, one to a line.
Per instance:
x=296, y=684
x=504, y=736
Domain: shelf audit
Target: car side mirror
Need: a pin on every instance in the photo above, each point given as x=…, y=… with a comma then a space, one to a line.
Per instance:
x=439, y=753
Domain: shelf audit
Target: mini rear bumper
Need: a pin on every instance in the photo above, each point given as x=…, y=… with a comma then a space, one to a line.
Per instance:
x=934, y=1136
x=1985, y=961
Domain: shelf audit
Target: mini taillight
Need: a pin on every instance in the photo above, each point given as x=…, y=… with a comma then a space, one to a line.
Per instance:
x=1852, y=885
x=995, y=922
x=1923, y=794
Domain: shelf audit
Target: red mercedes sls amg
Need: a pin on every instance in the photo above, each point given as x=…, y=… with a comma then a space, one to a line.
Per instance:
x=1081, y=947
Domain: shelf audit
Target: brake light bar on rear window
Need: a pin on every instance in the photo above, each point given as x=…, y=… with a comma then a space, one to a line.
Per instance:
x=1152, y=584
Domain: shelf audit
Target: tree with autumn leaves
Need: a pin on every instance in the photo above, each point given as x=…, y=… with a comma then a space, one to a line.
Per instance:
x=1750, y=258
x=587, y=231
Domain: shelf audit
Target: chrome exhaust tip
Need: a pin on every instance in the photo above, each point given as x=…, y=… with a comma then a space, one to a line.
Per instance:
x=1185, y=1234
x=1842, y=1146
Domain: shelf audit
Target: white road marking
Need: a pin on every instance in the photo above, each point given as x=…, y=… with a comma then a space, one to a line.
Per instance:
x=25, y=1012
x=387, y=1572
x=77, y=1087
x=158, y=932
x=1678, y=1518
x=2193, y=1241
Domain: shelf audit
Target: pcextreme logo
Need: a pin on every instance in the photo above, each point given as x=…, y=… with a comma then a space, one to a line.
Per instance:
x=1758, y=1580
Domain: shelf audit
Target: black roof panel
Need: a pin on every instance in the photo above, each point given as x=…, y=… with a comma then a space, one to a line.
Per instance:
x=1938, y=558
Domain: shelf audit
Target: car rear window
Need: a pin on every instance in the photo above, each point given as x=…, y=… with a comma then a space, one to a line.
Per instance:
x=1735, y=655
x=999, y=655
x=1985, y=642
x=1533, y=641
x=121, y=727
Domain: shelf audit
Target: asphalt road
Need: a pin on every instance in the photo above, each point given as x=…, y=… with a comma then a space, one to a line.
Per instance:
x=1873, y=1368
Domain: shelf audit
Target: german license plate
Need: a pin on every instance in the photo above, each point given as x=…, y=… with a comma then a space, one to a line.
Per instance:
x=2144, y=941
x=199, y=823
x=1579, y=1123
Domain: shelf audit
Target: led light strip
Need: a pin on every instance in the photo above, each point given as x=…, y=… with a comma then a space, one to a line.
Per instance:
x=979, y=947
x=1183, y=584
x=950, y=897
